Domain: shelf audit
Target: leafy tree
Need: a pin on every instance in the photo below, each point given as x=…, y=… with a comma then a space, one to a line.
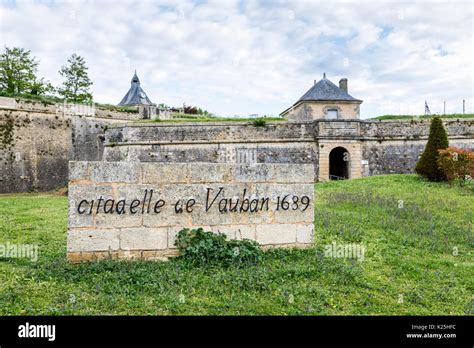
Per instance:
x=18, y=71
x=41, y=87
x=191, y=110
x=76, y=87
x=427, y=165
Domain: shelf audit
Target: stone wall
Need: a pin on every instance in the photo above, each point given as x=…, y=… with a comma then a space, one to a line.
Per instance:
x=34, y=151
x=37, y=141
x=398, y=156
x=144, y=206
x=390, y=147
x=375, y=147
x=205, y=132
x=223, y=142
x=87, y=138
x=414, y=130
x=66, y=109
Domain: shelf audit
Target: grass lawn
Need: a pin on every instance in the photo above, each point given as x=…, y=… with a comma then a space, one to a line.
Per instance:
x=418, y=261
x=186, y=118
x=421, y=117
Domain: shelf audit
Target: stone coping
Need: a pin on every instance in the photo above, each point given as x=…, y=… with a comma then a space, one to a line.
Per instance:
x=98, y=172
x=217, y=123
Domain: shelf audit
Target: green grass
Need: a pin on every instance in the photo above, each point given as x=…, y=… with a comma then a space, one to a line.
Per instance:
x=129, y=109
x=51, y=100
x=186, y=118
x=197, y=118
x=408, y=269
x=45, y=99
x=422, y=117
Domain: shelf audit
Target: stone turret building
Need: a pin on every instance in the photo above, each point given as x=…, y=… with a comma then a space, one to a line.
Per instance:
x=135, y=96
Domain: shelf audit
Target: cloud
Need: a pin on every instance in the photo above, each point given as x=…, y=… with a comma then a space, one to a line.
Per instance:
x=243, y=57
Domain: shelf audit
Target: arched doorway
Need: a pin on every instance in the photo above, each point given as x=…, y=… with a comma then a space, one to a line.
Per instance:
x=339, y=164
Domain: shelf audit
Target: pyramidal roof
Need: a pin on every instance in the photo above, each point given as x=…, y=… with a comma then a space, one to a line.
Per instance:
x=327, y=91
x=135, y=95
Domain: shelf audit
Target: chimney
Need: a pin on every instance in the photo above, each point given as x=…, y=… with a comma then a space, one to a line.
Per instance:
x=343, y=85
x=315, y=81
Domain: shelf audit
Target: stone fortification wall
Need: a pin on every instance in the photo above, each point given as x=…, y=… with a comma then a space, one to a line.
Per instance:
x=38, y=139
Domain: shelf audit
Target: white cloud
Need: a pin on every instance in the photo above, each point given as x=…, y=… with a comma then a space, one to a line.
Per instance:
x=242, y=57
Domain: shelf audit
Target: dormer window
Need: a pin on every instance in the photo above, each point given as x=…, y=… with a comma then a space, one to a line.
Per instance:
x=331, y=114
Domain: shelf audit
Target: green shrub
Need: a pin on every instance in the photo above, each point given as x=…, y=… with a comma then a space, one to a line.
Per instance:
x=201, y=247
x=427, y=165
x=457, y=164
x=259, y=122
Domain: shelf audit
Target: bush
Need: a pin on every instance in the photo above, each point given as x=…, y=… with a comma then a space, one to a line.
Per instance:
x=258, y=122
x=427, y=166
x=201, y=247
x=457, y=164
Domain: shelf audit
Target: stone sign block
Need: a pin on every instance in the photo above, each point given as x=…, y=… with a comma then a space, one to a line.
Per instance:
x=134, y=210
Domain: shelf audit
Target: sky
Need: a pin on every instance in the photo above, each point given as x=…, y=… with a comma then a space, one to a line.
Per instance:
x=256, y=57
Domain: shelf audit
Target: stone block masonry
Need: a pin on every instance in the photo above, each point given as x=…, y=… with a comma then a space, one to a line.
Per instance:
x=37, y=139
x=373, y=147
x=133, y=210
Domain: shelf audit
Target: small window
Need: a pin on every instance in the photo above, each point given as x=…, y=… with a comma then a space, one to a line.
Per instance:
x=331, y=114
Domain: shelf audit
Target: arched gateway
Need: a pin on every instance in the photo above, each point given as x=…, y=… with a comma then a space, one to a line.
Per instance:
x=339, y=162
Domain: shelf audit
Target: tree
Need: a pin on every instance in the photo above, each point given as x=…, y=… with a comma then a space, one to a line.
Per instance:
x=41, y=87
x=77, y=83
x=427, y=165
x=17, y=71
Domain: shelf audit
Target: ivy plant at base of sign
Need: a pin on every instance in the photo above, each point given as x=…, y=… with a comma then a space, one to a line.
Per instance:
x=201, y=247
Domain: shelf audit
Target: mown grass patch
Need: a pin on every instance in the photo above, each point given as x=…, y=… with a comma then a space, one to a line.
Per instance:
x=421, y=117
x=183, y=118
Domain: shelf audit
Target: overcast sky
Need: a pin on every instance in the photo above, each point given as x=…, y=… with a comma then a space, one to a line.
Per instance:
x=244, y=57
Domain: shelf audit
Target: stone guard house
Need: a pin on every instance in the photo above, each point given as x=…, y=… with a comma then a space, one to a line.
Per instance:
x=339, y=158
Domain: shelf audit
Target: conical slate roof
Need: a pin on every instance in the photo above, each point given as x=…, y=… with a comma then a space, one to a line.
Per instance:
x=326, y=90
x=135, y=95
